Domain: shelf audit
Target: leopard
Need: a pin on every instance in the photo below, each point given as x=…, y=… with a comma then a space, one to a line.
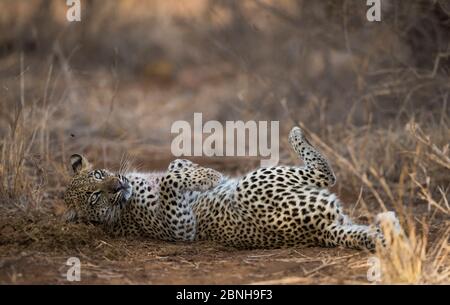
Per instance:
x=269, y=207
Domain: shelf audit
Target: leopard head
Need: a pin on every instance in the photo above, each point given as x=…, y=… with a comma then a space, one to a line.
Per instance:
x=95, y=195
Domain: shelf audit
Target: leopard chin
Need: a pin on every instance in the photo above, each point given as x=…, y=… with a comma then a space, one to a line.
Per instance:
x=127, y=193
x=114, y=212
x=113, y=216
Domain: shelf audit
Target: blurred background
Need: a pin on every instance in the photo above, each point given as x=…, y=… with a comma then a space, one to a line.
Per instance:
x=372, y=95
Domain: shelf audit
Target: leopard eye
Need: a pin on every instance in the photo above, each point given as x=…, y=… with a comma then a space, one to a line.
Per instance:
x=94, y=197
x=98, y=175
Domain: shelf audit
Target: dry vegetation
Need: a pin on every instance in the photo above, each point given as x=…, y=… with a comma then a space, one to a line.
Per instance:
x=373, y=97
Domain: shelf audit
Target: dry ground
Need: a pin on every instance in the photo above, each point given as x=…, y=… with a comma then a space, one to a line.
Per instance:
x=373, y=98
x=35, y=246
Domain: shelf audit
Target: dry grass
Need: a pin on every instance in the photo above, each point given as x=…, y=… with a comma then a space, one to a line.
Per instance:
x=410, y=260
x=411, y=257
x=378, y=108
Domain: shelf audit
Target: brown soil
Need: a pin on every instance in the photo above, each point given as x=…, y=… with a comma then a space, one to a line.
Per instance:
x=35, y=246
x=37, y=253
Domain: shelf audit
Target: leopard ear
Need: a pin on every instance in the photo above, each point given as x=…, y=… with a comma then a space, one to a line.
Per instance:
x=79, y=163
x=70, y=215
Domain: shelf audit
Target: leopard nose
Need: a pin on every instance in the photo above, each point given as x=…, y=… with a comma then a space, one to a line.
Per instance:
x=122, y=184
x=117, y=187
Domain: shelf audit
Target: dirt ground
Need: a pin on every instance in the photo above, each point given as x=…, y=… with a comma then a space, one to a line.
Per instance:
x=154, y=262
x=37, y=254
x=36, y=245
